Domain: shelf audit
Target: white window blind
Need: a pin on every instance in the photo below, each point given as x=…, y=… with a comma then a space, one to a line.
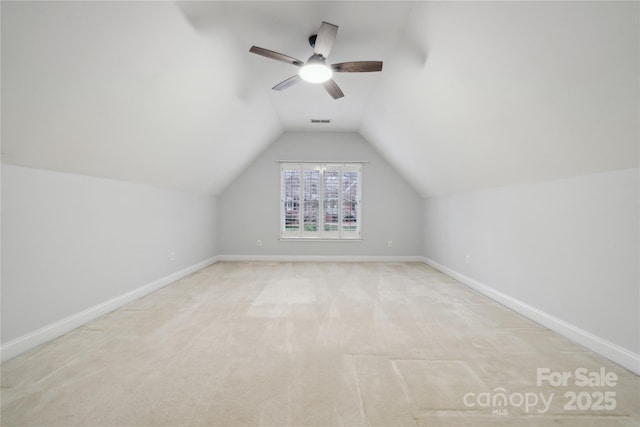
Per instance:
x=321, y=201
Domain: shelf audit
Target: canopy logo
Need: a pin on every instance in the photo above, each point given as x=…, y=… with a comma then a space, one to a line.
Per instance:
x=498, y=400
x=538, y=402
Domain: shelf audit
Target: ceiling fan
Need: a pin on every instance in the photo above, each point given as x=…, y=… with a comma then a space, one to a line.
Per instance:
x=315, y=70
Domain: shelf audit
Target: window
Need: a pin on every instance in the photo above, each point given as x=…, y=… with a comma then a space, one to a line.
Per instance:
x=320, y=201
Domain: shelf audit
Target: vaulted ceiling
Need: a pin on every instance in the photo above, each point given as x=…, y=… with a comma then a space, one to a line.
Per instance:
x=472, y=95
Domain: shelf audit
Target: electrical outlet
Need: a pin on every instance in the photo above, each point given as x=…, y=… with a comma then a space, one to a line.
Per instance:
x=390, y=244
x=467, y=259
x=259, y=243
x=172, y=256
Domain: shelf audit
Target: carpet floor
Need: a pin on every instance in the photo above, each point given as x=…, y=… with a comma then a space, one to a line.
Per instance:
x=315, y=344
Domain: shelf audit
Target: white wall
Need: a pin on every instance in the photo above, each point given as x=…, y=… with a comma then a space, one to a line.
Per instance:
x=71, y=242
x=249, y=207
x=569, y=248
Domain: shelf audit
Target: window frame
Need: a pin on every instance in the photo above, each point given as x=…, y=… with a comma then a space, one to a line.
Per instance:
x=322, y=233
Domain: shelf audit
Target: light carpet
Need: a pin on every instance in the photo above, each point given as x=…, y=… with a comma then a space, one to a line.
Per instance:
x=314, y=344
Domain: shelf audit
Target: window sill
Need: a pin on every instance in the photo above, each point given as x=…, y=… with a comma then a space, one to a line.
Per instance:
x=320, y=239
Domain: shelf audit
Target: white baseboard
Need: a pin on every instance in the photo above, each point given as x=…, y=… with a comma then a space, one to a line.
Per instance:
x=320, y=258
x=607, y=349
x=61, y=327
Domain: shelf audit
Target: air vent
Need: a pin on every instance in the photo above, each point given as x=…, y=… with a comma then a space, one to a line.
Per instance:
x=320, y=121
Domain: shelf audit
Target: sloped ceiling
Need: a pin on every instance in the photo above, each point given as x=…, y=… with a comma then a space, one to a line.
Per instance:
x=510, y=92
x=472, y=95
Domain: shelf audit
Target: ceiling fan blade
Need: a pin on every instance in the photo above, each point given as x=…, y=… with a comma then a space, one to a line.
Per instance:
x=333, y=89
x=357, y=67
x=287, y=83
x=275, y=55
x=325, y=40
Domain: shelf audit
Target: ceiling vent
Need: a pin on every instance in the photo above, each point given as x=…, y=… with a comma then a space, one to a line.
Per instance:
x=320, y=121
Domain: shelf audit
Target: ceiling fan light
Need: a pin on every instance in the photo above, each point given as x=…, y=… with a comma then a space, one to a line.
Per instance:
x=315, y=71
